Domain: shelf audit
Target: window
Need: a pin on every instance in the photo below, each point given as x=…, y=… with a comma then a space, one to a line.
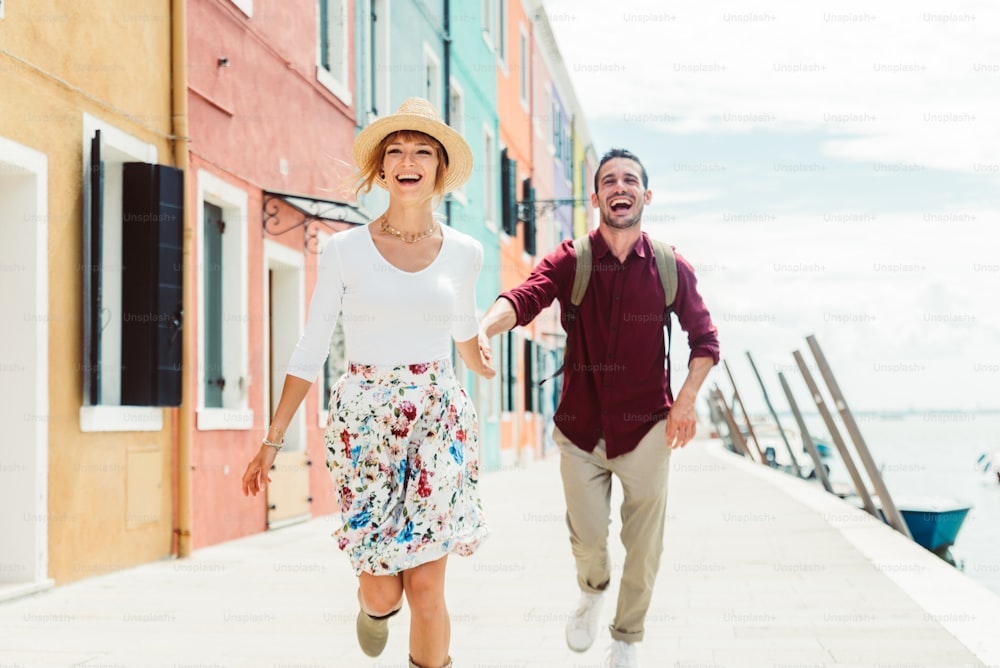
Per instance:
x=502, y=33
x=215, y=381
x=555, y=123
x=529, y=376
x=568, y=155
x=489, y=21
x=376, y=57
x=524, y=68
x=489, y=178
x=508, y=191
x=432, y=77
x=332, y=57
x=509, y=372
x=106, y=150
x=456, y=119
x=223, y=323
x=336, y=362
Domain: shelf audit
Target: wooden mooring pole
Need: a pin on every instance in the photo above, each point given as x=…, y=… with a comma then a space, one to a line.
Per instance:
x=845, y=455
x=892, y=514
x=734, y=431
x=746, y=416
x=774, y=414
x=807, y=439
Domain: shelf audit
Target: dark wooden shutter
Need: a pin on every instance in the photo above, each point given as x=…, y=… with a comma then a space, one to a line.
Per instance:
x=530, y=236
x=93, y=225
x=152, y=284
x=508, y=193
x=529, y=376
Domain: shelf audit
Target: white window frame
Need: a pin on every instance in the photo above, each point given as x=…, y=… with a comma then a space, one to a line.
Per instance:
x=245, y=6
x=456, y=118
x=432, y=84
x=490, y=185
x=236, y=413
x=337, y=83
x=122, y=147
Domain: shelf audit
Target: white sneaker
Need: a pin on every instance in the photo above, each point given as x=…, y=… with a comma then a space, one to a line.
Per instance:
x=621, y=654
x=581, y=629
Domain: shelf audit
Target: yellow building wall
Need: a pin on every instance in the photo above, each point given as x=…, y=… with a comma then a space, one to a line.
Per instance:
x=110, y=493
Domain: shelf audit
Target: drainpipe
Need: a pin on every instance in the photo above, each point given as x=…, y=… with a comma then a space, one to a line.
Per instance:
x=447, y=87
x=181, y=417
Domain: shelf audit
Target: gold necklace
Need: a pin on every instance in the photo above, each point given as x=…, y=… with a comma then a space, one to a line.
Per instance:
x=406, y=237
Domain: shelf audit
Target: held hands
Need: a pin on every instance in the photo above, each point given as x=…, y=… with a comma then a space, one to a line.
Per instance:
x=486, y=356
x=256, y=478
x=682, y=421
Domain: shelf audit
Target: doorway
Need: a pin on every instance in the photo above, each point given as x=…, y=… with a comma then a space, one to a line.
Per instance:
x=24, y=390
x=288, y=496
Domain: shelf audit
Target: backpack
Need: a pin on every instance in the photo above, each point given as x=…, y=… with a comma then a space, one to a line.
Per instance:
x=666, y=267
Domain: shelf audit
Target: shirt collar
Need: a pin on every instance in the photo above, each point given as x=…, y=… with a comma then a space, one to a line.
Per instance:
x=600, y=247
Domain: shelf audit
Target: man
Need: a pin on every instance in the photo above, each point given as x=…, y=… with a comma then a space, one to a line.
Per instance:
x=616, y=415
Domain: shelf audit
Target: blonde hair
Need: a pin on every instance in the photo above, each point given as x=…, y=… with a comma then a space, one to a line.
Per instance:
x=368, y=172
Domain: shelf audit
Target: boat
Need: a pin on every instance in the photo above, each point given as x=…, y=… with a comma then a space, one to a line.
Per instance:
x=933, y=522
x=935, y=525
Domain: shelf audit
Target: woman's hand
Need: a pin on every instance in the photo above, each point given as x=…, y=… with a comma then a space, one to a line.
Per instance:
x=477, y=355
x=486, y=356
x=256, y=478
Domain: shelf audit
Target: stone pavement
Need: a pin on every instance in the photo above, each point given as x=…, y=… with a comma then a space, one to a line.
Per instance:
x=760, y=570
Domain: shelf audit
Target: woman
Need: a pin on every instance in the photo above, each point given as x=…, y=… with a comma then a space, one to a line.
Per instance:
x=402, y=443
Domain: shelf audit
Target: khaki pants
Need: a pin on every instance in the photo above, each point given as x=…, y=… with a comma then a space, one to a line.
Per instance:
x=587, y=485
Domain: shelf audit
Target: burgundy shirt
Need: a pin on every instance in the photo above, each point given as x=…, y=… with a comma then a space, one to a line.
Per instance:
x=616, y=385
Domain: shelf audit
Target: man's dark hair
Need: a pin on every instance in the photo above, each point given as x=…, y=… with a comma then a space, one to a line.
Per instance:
x=621, y=153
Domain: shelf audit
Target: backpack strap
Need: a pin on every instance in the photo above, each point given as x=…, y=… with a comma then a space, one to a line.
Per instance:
x=584, y=267
x=581, y=278
x=666, y=265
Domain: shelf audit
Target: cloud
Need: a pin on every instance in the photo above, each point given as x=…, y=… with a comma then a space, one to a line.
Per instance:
x=911, y=82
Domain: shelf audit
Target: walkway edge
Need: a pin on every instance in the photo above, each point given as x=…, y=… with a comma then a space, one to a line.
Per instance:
x=966, y=609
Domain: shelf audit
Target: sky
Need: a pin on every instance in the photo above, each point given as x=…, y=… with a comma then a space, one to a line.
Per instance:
x=830, y=169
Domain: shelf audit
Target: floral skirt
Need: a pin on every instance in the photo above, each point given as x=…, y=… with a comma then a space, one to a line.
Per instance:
x=402, y=449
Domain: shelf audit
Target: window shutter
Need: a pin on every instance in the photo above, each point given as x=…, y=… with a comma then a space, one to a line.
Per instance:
x=530, y=236
x=215, y=381
x=529, y=376
x=324, y=34
x=152, y=284
x=93, y=224
x=508, y=190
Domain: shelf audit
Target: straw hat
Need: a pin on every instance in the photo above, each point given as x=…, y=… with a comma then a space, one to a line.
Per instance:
x=418, y=114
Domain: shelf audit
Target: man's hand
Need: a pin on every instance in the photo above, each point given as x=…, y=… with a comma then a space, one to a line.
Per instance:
x=682, y=422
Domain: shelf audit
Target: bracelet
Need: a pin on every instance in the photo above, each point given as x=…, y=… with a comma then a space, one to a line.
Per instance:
x=276, y=446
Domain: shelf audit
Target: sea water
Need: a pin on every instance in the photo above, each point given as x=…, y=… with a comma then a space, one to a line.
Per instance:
x=933, y=455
